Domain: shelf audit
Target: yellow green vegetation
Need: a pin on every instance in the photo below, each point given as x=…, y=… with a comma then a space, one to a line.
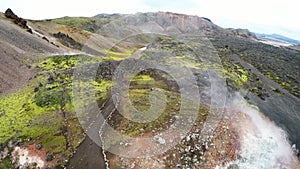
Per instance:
x=287, y=84
x=186, y=61
x=63, y=78
x=91, y=90
x=18, y=114
x=73, y=21
x=43, y=111
x=61, y=63
x=23, y=118
x=180, y=57
x=102, y=88
x=237, y=76
x=89, y=24
x=140, y=99
x=146, y=82
x=120, y=55
x=142, y=78
x=141, y=87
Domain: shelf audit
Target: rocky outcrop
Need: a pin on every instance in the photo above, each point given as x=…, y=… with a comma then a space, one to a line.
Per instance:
x=67, y=40
x=244, y=33
x=10, y=14
x=206, y=19
x=17, y=20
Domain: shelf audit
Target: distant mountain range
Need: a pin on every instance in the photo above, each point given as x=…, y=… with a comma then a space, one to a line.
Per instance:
x=278, y=38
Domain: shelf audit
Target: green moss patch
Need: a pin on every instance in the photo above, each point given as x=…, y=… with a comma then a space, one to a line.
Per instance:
x=43, y=112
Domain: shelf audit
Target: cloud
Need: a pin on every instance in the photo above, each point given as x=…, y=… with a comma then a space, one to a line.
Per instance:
x=171, y=5
x=36, y=9
x=257, y=15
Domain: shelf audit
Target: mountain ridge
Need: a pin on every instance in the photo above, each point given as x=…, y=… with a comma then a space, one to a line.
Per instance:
x=278, y=37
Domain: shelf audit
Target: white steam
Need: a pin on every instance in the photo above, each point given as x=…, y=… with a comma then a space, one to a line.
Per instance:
x=263, y=145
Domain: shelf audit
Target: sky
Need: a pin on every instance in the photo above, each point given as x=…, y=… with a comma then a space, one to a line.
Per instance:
x=260, y=16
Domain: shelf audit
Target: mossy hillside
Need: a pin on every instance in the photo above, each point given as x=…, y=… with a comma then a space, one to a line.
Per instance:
x=73, y=21
x=89, y=91
x=19, y=112
x=88, y=24
x=139, y=92
x=237, y=76
x=119, y=55
x=61, y=63
x=170, y=44
x=240, y=79
x=196, y=54
x=169, y=51
x=63, y=67
x=44, y=111
x=23, y=120
x=149, y=80
x=133, y=129
x=279, y=64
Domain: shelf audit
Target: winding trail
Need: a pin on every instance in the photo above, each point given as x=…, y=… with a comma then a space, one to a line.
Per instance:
x=96, y=128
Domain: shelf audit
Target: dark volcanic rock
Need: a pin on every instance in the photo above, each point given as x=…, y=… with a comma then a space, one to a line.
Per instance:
x=40, y=84
x=36, y=89
x=51, y=80
x=17, y=20
x=39, y=146
x=10, y=14
x=67, y=40
x=206, y=19
x=49, y=157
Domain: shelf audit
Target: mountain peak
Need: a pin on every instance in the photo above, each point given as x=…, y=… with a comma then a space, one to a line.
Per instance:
x=166, y=22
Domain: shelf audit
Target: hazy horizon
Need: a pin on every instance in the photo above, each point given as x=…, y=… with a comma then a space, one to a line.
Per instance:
x=257, y=16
